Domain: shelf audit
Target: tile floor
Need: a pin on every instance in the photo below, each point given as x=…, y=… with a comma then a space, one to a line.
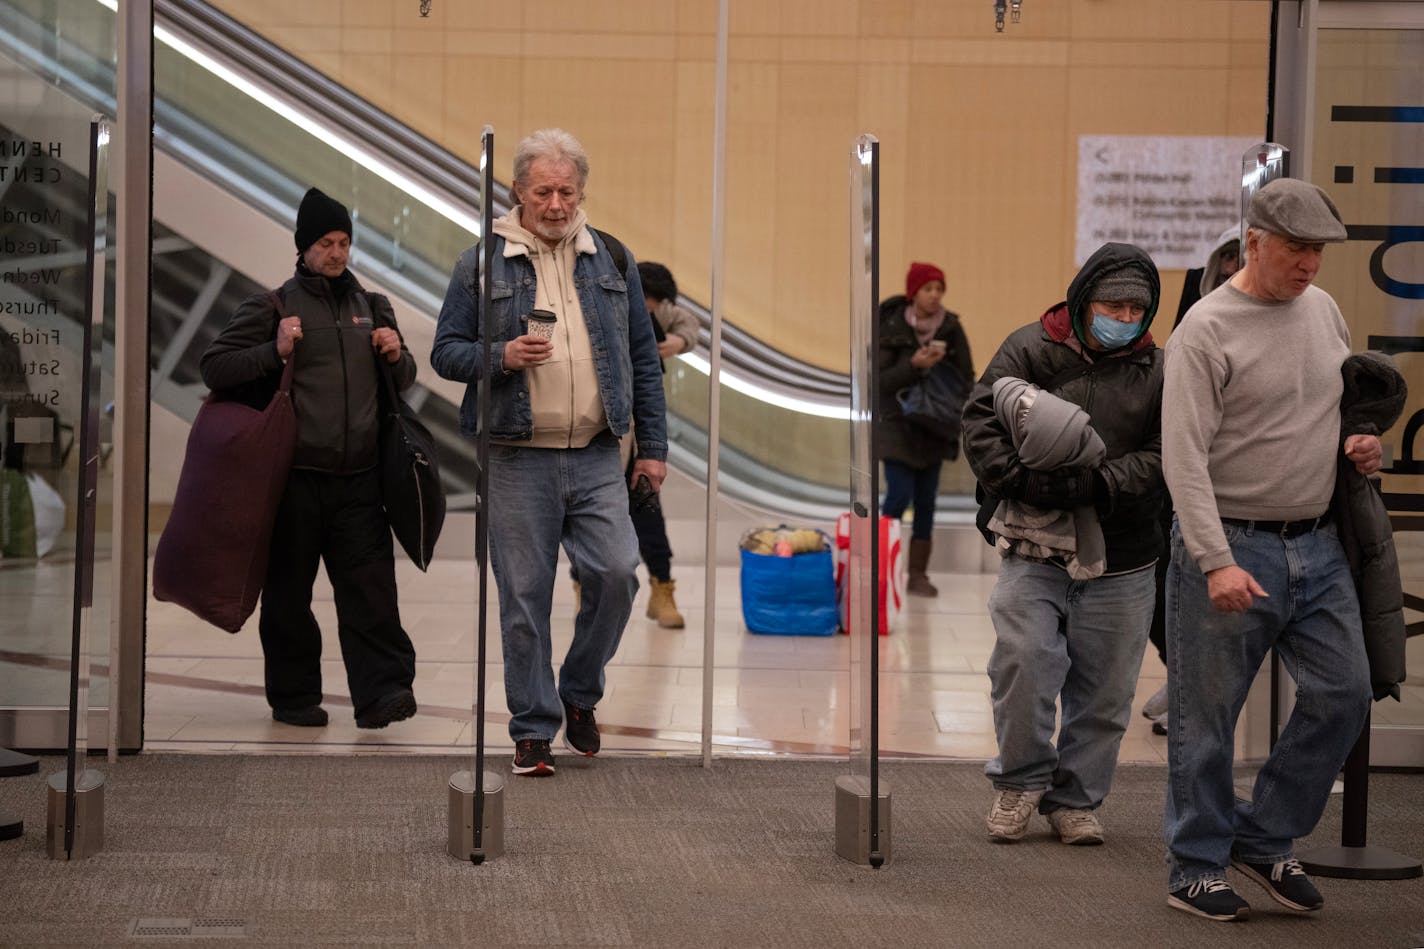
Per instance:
x=770, y=694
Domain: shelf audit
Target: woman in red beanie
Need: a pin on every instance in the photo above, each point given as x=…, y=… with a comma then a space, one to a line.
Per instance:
x=917, y=336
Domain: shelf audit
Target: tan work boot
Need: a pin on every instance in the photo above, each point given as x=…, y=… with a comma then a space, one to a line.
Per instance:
x=661, y=606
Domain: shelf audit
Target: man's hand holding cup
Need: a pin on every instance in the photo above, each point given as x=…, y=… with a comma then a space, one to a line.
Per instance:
x=535, y=346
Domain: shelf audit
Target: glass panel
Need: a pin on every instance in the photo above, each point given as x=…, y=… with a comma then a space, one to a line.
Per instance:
x=864, y=482
x=1369, y=136
x=44, y=172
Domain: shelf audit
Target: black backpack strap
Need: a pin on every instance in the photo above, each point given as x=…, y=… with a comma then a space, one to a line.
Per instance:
x=616, y=250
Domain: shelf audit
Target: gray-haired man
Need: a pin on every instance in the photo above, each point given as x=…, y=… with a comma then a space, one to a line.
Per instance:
x=1251, y=435
x=558, y=405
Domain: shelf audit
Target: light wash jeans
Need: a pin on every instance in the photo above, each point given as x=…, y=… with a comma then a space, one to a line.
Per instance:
x=1078, y=641
x=1312, y=616
x=541, y=498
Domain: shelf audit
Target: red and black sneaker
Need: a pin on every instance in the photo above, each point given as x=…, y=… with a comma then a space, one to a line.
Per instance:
x=533, y=757
x=580, y=731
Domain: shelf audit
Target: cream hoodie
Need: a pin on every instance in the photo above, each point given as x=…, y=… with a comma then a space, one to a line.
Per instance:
x=564, y=399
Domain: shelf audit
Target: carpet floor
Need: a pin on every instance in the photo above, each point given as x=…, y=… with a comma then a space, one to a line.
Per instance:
x=634, y=851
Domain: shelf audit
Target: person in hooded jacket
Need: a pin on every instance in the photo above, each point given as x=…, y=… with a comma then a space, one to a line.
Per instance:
x=1078, y=642
x=917, y=336
x=331, y=510
x=1222, y=261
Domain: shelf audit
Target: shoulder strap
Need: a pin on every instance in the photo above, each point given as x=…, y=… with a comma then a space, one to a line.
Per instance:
x=616, y=250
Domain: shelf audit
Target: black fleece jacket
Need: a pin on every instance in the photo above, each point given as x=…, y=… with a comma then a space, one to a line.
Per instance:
x=335, y=381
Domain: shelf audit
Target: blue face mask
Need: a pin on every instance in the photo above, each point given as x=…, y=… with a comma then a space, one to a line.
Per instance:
x=1114, y=333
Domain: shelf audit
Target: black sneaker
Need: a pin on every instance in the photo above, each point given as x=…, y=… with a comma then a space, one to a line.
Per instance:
x=1286, y=882
x=396, y=707
x=1212, y=899
x=580, y=731
x=305, y=716
x=533, y=757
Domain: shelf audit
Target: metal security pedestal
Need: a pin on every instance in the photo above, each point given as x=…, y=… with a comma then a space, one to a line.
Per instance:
x=1354, y=859
x=853, y=819
x=461, y=843
x=87, y=829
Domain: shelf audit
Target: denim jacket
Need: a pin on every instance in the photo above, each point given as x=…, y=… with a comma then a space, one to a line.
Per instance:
x=625, y=351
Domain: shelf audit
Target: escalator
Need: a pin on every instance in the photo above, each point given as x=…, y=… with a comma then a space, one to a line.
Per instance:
x=242, y=129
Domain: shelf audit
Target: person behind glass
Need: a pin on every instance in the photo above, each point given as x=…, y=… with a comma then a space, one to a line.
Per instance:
x=1061, y=638
x=558, y=407
x=331, y=510
x=676, y=332
x=916, y=334
x=1222, y=262
x=1251, y=439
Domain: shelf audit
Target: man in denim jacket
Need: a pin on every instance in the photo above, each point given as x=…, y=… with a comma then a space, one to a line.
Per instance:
x=558, y=404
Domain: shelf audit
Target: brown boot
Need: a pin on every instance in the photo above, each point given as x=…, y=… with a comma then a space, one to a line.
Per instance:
x=661, y=606
x=918, y=584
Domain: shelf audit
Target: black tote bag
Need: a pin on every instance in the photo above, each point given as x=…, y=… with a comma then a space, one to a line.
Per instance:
x=935, y=402
x=410, y=474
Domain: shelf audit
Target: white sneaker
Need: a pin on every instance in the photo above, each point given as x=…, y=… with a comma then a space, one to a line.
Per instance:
x=1076, y=827
x=1010, y=812
x=1156, y=707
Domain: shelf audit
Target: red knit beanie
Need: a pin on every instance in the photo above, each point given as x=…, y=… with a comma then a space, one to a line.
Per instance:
x=919, y=275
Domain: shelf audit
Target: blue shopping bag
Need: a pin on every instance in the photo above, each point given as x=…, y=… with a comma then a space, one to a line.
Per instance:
x=789, y=596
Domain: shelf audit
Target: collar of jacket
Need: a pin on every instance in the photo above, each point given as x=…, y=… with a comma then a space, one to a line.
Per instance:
x=315, y=283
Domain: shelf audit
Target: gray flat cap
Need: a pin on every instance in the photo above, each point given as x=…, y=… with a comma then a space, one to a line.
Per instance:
x=1297, y=210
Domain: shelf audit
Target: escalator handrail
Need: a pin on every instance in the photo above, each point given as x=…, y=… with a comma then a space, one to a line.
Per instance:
x=318, y=94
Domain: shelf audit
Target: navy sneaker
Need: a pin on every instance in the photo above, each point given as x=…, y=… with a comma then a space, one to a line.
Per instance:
x=1286, y=882
x=580, y=731
x=1211, y=899
x=532, y=757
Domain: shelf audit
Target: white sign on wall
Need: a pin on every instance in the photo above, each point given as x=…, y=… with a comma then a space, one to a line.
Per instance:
x=1171, y=195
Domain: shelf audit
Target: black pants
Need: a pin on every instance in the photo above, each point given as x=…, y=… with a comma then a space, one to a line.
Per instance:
x=337, y=519
x=1157, y=633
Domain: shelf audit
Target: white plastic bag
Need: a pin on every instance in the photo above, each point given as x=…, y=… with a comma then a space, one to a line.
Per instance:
x=49, y=513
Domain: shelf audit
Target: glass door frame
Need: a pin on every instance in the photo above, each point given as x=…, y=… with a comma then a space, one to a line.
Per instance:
x=1293, y=117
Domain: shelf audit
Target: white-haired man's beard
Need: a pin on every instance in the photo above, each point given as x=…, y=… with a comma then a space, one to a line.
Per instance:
x=551, y=231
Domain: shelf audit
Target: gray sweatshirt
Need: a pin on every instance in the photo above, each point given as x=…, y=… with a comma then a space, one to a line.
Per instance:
x=1251, y=413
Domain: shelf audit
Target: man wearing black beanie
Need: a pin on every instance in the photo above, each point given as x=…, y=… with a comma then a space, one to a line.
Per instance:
x=331, y=510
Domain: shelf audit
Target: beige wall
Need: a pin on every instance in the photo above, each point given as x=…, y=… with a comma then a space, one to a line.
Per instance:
x=978, y=131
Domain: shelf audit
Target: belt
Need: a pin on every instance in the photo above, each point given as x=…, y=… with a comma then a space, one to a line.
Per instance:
x=1283, y=528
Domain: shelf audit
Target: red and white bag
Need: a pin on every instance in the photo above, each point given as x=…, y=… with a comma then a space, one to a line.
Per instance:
x=890, y=584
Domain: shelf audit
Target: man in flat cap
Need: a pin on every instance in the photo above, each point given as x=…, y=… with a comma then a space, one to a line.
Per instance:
x=331, y=510
x=1250, y=439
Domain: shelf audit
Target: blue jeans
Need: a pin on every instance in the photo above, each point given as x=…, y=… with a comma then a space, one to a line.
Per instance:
x=1075, y=641
x=1312, y=616
x=906, y=486
x=541, y=498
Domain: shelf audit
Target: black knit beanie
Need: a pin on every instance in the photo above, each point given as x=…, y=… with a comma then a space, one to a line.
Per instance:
x=319, y=216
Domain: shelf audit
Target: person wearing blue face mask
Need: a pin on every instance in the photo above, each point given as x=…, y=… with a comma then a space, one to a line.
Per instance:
x=1070, y=630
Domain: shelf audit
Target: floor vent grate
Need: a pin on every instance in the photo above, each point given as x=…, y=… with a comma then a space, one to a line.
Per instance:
x=197, y=927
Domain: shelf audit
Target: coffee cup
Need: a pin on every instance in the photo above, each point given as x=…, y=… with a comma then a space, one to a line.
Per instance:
x=540, y=323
